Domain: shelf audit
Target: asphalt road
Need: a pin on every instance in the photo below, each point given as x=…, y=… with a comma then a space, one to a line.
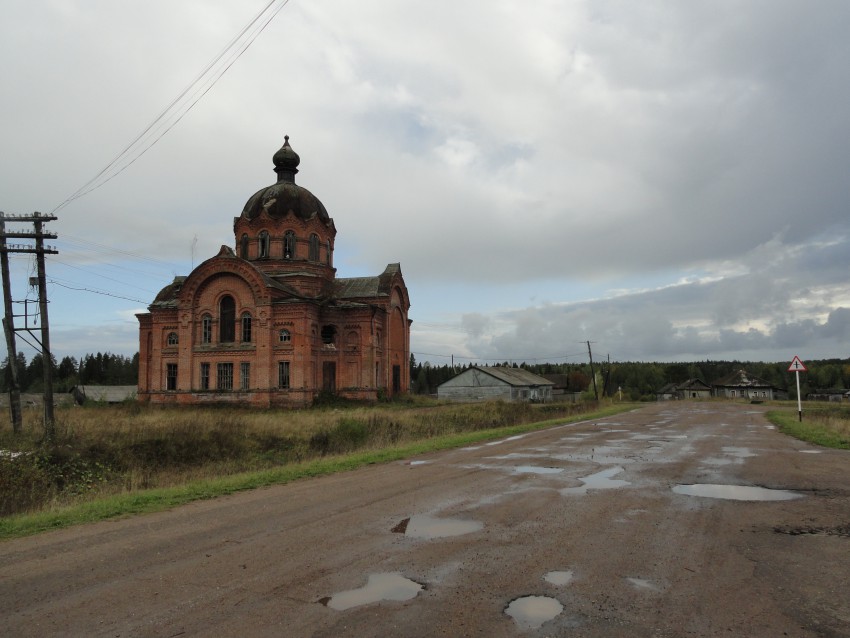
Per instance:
x=578, y=530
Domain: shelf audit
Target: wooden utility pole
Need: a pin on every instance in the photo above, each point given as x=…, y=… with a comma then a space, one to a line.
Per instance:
x=592, y=373
x=39, y=250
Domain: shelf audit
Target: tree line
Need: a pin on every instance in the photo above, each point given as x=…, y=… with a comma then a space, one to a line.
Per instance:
x=92, y=369
x=636, y=380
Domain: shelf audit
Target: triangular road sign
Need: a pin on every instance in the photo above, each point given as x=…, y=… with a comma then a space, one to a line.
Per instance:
x=797, y=365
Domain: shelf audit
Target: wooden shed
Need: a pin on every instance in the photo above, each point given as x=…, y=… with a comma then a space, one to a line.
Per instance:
x=486, y=384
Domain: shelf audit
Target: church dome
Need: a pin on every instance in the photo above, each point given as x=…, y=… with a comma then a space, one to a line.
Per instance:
x=285, y=197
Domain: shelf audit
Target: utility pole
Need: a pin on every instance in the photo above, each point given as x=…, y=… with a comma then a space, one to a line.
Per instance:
x=592, y=373
x=40, y=250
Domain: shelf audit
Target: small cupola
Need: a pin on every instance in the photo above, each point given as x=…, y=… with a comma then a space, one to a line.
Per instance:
x=286, y=162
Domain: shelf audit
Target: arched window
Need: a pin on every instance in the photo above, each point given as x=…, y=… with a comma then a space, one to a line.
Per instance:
x=328, y=334
x=284, y=336
x=171, y=339
x=243, y=246
x=263, y=244
x=289, y=245
x=314, y=248
x=246, y=327
x=206, y=329
x=227, y=320
x=328, y=254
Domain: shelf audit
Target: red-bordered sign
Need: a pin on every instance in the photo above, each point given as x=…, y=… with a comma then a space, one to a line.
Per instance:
x=797, y=365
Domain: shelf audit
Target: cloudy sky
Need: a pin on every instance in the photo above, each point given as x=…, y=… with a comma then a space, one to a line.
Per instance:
x=666, y=179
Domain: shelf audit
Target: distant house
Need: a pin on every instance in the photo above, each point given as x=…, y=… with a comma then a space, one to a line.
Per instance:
x=561, y=388
x=690, y=389
x=743, y=385
x=103, y=393
x=833, y=395
x=485, y=384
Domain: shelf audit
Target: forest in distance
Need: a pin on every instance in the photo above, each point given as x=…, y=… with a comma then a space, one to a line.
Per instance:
x=630, y=380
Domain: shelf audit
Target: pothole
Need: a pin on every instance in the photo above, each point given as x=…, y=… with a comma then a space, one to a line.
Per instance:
x=735, y=492
x=799, y=530
x=530, y=612
x=599, y=481
x=558, y=577
x=421, y=526
x=642, y=583
x=536, y=469
x=383, y=586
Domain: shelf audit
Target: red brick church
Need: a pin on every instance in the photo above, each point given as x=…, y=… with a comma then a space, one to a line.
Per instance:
x=268, y=323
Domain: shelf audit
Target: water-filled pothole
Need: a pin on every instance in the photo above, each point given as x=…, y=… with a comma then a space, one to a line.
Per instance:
x=537, y=469
x=383, y=586
x=530, y=612
x=599, y=481
x=558, y=578
x=421, y=526
x=735, y=492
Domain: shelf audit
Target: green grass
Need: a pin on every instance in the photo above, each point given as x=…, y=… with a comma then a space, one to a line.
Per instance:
x=154, y=500
x=827, y=428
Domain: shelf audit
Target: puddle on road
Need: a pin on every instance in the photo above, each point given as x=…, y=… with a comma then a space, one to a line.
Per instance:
x=599, y=481
x=530, y=612
x=428, y=527
x=536, y=469
x=735, y=492
x=384, y=586
x=738, y=452
x=713, y=460
x=559, y=578
x=642, y=583
x=810, y=451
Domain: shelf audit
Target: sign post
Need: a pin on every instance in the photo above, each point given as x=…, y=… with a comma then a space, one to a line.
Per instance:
x=797, y=367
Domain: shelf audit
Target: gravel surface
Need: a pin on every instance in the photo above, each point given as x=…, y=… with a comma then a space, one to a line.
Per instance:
x=571, y=531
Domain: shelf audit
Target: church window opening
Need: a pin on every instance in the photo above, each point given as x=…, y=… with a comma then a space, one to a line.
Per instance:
x=246, y=327
x=205, y=376
x=263, y=245
x=171, y=339
x=284, y=336
x=289, y=245
x=283, y=374
x=328, y=335
x=227, y=319
x=171, y=376
x=206, y=329
x=243, y=246
x=314, y=248
x=328, y=253
x=244, y=375
x=224, y=380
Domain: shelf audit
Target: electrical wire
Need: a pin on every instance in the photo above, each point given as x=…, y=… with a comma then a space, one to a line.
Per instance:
x=140, y=145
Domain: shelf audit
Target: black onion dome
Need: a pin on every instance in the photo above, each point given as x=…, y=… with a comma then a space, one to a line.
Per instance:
x=285, y=197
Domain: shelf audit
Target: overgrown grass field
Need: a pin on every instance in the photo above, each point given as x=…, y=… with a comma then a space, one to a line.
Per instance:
x=824, y=424
x=110, y=460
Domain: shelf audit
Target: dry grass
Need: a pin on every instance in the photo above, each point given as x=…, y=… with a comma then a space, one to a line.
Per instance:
x=107, y=450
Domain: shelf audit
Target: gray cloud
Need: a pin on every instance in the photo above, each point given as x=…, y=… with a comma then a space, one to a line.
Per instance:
x=690, y=156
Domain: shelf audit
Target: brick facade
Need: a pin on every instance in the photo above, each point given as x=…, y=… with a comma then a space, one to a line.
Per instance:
x=268, y=323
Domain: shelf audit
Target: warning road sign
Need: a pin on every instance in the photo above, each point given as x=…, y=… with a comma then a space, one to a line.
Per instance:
x=797, y=365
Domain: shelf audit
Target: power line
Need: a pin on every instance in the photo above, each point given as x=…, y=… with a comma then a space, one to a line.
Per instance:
x=199, y=87
x=96, y=292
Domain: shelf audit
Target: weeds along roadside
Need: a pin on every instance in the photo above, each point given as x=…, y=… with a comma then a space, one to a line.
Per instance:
x=826, y=425
x=103, y=451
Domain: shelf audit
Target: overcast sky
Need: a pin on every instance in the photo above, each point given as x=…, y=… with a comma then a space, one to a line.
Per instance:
x=666, y=179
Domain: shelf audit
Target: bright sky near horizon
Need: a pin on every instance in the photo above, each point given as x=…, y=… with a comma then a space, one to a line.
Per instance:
x=665, y=179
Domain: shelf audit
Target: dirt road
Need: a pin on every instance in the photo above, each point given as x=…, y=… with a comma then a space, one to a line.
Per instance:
x=578, y=530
